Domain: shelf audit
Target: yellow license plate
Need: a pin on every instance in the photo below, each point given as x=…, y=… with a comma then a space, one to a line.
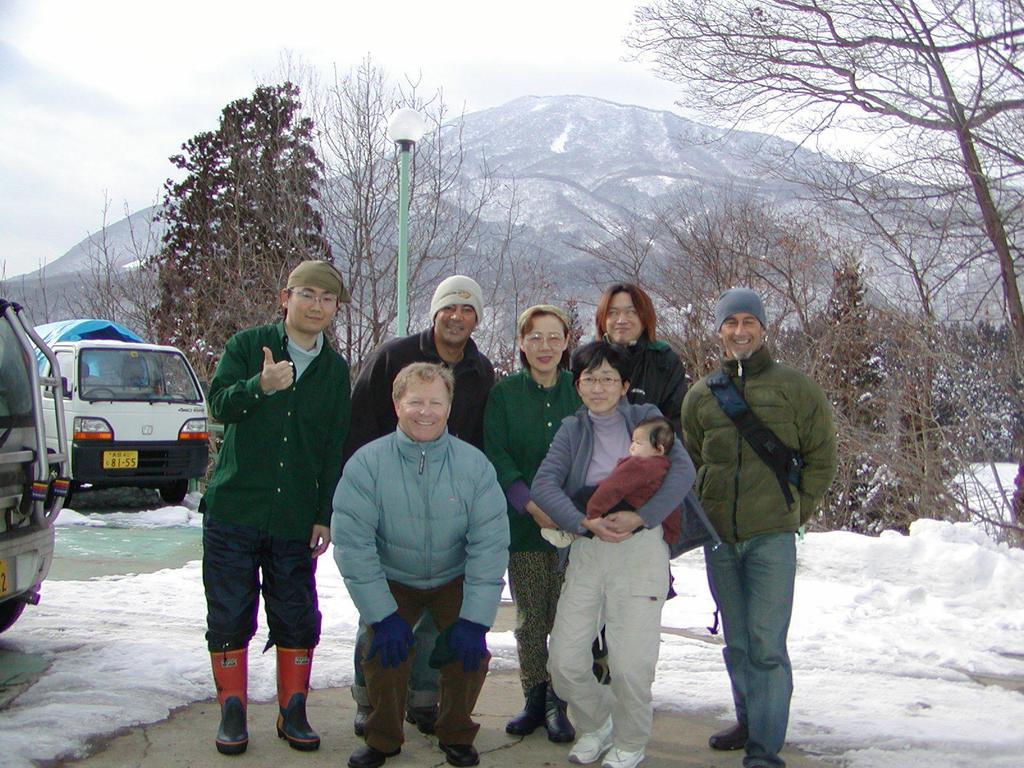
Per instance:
x=6, y=583
x=120, y=459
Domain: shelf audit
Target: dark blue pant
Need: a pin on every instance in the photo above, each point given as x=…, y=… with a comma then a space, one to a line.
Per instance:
x=234, y=557
x=752, y=582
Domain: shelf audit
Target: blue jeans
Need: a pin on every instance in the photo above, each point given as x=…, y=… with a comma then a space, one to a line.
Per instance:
x=423, y=680
x=752, y=582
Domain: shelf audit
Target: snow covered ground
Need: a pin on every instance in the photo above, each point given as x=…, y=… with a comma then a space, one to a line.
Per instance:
x=890, y=637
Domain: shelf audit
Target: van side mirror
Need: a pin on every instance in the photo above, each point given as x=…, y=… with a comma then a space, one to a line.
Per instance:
x=65, y=387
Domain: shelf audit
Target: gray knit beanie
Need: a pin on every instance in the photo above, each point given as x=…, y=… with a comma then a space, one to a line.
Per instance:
x=457, y=289
x=738, y=300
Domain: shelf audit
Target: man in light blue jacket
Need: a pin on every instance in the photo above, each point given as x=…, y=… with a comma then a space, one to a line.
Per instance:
x=419, y=524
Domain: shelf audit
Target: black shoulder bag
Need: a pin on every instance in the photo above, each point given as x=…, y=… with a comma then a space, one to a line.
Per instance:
x=785, y=462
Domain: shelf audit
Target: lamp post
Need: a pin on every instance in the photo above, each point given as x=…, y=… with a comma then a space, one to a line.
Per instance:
x=405, y=127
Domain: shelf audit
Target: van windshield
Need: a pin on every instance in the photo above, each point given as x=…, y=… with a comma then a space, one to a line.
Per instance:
x=135, y=374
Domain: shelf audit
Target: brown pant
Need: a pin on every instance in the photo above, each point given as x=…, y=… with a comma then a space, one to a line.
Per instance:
x=386, y=687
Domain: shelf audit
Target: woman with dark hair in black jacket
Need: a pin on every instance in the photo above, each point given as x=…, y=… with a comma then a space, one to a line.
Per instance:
x=625, y=317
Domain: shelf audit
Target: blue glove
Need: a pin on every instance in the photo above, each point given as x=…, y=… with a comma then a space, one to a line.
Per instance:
x=469, y=644
x=392, y=636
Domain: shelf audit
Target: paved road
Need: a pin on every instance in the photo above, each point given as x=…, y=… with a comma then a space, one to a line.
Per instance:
x=185, y=740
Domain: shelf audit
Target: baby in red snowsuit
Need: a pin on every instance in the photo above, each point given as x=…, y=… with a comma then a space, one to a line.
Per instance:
x=638, y=476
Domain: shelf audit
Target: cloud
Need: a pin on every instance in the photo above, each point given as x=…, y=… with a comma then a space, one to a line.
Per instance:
x=29, y=86
x=104, y=92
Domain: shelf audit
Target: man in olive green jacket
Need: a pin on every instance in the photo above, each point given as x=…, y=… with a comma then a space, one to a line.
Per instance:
x=282, y=394
x=752, y=572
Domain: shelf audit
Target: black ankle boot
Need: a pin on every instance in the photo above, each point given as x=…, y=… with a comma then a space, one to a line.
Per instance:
x=368, y=757
x=532, y=716
x=556, y=721
x=232, y=736
x=293, y=726
x=729, y=739
x=424, y=718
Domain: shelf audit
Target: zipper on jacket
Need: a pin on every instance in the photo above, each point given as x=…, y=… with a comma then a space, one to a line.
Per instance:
x=425, y=497
x=739, y=465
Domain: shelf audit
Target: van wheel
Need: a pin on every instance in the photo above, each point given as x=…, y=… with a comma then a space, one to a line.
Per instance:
x=174, y=493
x=9, y=613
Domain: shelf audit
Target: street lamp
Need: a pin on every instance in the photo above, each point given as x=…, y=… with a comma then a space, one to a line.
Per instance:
x=405, y=127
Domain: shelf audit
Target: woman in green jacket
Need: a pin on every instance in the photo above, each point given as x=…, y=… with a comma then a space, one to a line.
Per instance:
x=524, y=411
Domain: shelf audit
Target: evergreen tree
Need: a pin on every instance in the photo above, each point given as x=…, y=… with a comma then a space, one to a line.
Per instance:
x=243, y=215
x=850, y=371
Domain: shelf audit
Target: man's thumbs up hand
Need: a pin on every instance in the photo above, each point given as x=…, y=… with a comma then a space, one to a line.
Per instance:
x=275, y=376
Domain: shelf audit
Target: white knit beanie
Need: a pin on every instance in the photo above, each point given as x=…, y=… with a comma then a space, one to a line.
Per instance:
x=457, y=289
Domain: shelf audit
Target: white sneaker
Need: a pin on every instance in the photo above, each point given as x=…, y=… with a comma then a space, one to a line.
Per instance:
x=590, y=746
x=620, y=758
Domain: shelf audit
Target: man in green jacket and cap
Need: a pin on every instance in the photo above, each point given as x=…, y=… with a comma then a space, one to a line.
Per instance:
x=757, y=512
x=282, y=394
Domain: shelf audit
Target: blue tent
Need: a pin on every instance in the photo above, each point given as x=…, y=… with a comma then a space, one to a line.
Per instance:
x=78, y=330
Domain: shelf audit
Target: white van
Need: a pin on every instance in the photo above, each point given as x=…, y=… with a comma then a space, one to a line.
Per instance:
x=135, y=416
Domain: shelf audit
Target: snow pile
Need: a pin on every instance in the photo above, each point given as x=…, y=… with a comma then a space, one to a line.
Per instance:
x=164, y=517
x=889, y=640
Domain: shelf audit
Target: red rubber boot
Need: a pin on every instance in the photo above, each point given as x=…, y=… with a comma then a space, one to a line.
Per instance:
x=231, y=675
x=293, y=668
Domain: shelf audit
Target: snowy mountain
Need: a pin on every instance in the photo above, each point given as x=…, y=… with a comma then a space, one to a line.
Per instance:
x=575, y=156
x=565, y=158
x=118, y=244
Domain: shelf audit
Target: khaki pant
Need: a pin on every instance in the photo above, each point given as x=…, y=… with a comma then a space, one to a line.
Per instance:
x=386, y=687
x=623, y=585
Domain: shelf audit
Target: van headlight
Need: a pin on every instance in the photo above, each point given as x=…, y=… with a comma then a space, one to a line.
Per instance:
x=88, y=428
x=194, y=429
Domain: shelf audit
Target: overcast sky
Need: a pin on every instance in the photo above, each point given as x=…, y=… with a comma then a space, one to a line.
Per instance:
x=98, y=95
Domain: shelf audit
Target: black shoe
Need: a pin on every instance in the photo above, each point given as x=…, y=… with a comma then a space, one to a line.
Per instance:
x=368, y=757
x=730, y=738
x=293, y=726
x=556, y=721
x=424, y=718
x=532, y=716
x=460, y=754
x=359, y=721
x=232, y=736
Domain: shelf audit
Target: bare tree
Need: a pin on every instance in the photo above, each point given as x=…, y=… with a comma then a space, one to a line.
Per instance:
x=360, y=197
x=624, y=243
x=117, y=285
x=946, y=75
x=695, y=246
